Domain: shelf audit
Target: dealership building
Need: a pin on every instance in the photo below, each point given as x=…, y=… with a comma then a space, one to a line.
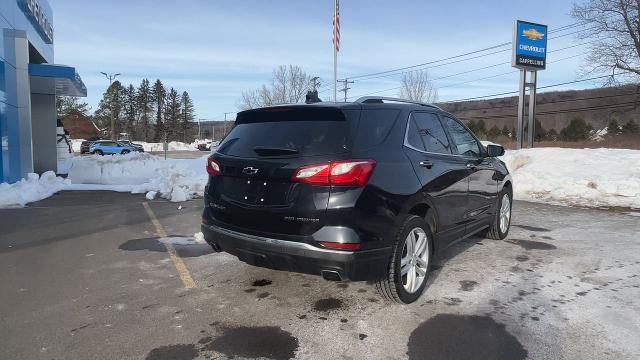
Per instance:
x=29, y=83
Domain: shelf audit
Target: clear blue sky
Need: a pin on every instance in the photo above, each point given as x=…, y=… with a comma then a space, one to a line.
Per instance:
x=216, y=49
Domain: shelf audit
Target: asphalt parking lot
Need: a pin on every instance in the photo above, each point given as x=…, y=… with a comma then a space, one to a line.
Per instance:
x=100, y=275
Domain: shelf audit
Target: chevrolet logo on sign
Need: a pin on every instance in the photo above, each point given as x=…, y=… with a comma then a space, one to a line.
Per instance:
x=532, y=34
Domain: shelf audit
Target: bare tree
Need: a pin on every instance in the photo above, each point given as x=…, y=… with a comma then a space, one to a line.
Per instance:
x=289, y=84
x=417, y=86
x=614, y=25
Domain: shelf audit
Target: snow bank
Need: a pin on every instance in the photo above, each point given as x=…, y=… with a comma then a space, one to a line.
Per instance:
x=173, y=146
x=31, y=189
x=173, y=179
x=584, y=177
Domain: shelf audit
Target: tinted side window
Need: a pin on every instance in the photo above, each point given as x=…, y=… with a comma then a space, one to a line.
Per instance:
x=433, y=135
x=413, y=136
x=462, y=138
x=374, y=127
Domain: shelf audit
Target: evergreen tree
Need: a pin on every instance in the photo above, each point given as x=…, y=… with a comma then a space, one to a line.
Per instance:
x=541, y=133
x=493, y=133
x=110, y=108
x=481, y=128
x=130, y=111
x=187, y=114
x=172, y=115
x=505, y=131
x=66, y=105
x=578, y=129
x=144, y=99
x=630, y=128
x=159, y=95
x=613, y=128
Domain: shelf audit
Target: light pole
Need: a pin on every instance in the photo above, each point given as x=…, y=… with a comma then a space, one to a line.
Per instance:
x=111, y=77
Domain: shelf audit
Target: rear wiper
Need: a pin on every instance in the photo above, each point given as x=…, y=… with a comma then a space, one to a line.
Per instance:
x=274, y=151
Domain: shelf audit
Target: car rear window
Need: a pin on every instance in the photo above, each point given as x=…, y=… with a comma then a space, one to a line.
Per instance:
x=309, y=131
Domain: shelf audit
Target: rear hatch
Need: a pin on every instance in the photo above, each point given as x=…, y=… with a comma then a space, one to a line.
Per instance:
x=254, y=190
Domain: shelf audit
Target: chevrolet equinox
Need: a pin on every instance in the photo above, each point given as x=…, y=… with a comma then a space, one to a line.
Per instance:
x=370, y=190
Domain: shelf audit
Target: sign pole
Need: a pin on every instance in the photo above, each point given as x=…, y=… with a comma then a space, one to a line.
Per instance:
x=531, y=127
x=529, y=55
x=519, y=129
x=335, y=52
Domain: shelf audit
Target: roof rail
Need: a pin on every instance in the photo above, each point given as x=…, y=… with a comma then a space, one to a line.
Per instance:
x=381, y=99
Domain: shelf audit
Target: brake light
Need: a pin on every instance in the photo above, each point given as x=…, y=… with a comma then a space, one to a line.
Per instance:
x=346, y=172
x=341, y=246
x=213, y=168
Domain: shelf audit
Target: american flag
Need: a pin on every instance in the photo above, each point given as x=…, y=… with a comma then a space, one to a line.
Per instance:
x=336, y=27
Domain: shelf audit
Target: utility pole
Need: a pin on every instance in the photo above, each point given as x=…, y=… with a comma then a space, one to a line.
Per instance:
x=111, y=77
x=345, y=88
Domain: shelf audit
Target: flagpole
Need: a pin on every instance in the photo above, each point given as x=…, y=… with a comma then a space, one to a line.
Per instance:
x=335, y=53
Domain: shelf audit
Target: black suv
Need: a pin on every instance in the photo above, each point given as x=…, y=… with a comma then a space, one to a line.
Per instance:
x=369, y=190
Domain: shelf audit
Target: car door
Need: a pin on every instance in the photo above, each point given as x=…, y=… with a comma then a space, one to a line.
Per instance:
x=483, y=184
x=443, y=176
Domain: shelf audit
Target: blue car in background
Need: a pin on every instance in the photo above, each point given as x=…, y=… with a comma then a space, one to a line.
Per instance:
x=110, y=147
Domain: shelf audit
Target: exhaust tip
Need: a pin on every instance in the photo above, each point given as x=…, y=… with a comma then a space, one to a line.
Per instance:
x=331, y=275
x=215, y=246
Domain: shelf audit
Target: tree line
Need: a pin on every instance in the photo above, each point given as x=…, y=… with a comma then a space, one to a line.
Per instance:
x=148, y=112
x=577, y=129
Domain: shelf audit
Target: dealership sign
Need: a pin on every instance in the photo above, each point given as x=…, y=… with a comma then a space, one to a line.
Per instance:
x=36, y=13
x=529, y=45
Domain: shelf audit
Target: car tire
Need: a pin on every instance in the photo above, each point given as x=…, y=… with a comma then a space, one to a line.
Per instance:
x=499, y=228
x=396, y=286
x=98, y=152
x=125, y=152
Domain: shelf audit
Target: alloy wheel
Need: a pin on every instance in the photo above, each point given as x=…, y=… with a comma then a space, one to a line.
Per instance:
x=414, y=262
x=505, y=213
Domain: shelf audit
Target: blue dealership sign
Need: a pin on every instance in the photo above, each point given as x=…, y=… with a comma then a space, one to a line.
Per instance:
x=529, y=45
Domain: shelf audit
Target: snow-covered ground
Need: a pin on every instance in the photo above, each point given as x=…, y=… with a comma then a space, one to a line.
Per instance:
x=584, y=177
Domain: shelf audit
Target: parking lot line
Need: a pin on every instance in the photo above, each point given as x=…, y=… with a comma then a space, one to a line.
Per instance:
x=186, y=278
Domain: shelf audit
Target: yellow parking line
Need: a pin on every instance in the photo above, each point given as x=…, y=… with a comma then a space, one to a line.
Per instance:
x=186, y=278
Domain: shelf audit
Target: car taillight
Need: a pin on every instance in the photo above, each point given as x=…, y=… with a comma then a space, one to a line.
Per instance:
x=346, y=172
x=213, y=168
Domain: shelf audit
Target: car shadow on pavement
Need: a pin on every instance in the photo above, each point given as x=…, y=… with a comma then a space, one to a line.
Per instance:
x=185, y=246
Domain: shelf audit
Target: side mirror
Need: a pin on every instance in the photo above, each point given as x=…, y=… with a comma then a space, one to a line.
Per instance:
x=494, y=150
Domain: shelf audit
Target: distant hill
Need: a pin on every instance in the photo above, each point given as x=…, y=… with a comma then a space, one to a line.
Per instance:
x=556, y=109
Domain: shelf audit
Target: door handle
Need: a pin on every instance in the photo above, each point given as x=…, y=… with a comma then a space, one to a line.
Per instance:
x=426, y=164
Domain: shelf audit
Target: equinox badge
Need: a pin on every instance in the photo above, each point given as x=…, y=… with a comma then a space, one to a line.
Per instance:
x=249, y=170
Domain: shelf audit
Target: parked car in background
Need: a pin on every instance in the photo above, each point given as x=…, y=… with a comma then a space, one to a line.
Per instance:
x=205, y=146
x=128, y=142
x=110, y=147
x=369, y=190
x=85, y=147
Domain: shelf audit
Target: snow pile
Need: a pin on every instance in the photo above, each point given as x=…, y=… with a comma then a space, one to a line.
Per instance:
x=584, y=177
x=75, y=144
x=173, y=146
x=173, y=179
x=598, y=135
x=31, y=189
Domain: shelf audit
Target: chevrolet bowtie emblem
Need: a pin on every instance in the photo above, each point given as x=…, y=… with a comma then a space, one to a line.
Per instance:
x=532, y=34
x=249, y=170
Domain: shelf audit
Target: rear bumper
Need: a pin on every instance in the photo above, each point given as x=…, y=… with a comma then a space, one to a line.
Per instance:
x=298, y=256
